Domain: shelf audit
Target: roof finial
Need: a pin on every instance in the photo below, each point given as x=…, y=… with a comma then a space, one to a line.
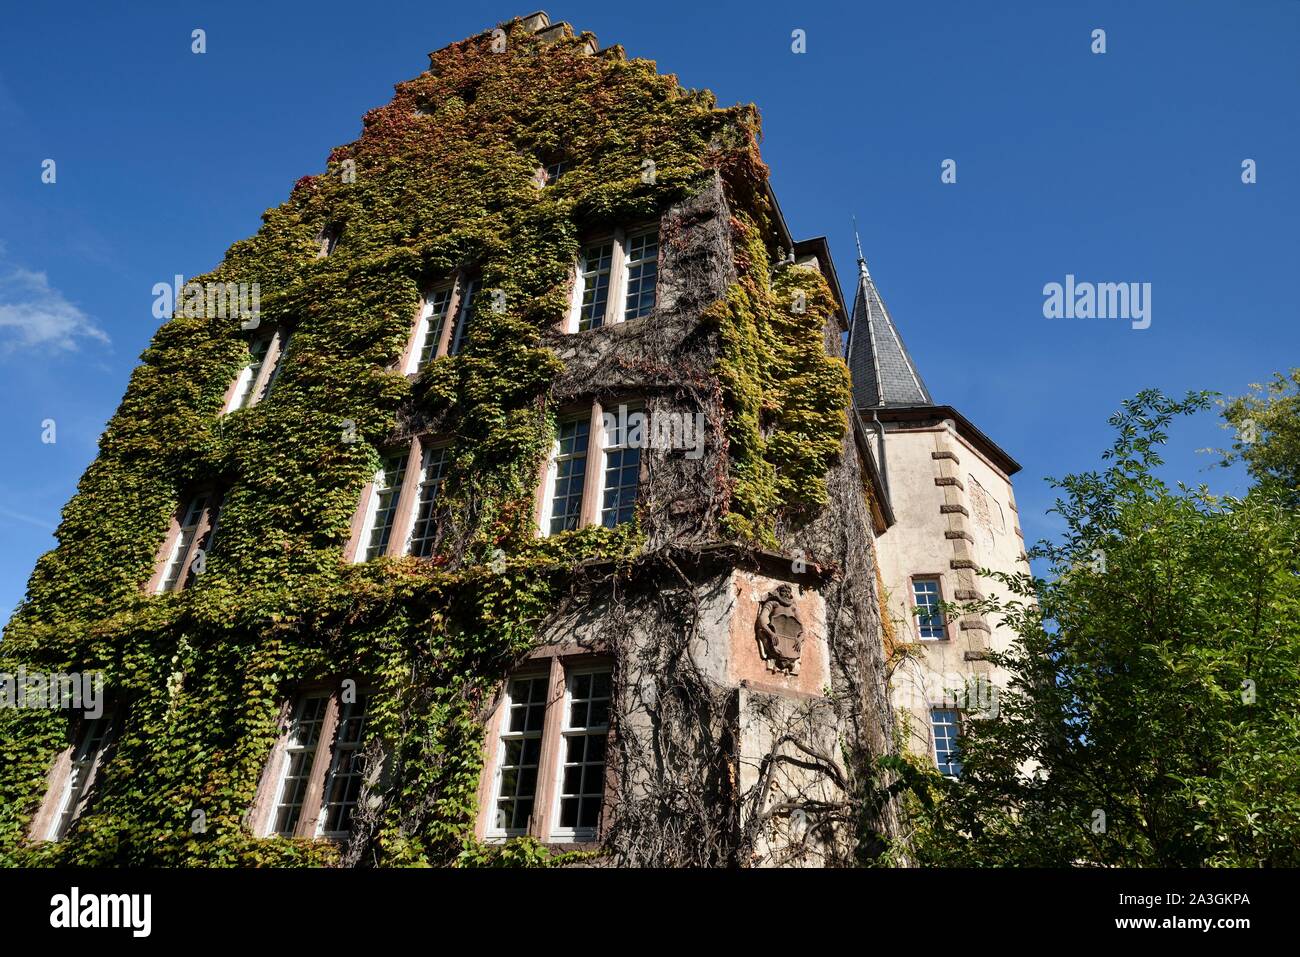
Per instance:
x=862, y=260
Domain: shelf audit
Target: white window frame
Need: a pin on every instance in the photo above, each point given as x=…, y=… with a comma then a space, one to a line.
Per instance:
x=503, y=735
x=616, y=299
x=286, y=751
x=74, y=795
x=563, y=835
x=372, y=494
x=920, y=619
x=934, y=737
x=553, y=472
x=427, y=453
x=605, y=448
x=424, y=327
x=252, y=387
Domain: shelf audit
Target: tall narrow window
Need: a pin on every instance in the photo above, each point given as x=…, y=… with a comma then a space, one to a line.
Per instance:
x=642, y=271
x=280, y=344
x=929, y=618
x=520, y=755
x=75, y=790
x=569, y=474
x=462, y=319
x=946, y=725
x=424, y=529
x=592, y=294
x=622, y=467
x=580, y=790
x=329, y=239
x=190, y=544
x=428, y=331
x=382, y=508
x=346, y=774
x=257, y=350
x=300, y=748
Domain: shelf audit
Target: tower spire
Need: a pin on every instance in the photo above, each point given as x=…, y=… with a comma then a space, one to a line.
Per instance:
x=882, y=369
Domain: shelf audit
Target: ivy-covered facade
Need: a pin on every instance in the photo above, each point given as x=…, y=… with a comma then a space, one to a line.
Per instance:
x=525, y=519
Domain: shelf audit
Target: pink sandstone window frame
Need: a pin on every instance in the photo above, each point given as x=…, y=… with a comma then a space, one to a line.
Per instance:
x=404, y=516
x=915, y=626
x=556, y=664
x=201, y=541
x=615, y=310
x=47, y=824
x=460, y=283
x=261, y=817
x=593, y=491
x=259, y=382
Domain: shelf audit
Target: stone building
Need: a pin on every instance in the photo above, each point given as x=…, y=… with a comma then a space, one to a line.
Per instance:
x=950, y=489
x=527, y=513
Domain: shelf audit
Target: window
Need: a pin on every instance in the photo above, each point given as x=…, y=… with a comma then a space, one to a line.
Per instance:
x=622, y=468
x=399, y=512
x=71, y=786
x=547, y=778
x=188, y=543
x=429, y=329
x=329, y=239
x=929, y=618
x=581, y=788
x=462, y=320
x=347, y=770
x=424, y=529
x=946, y=724
x=594, y=472
x=385, y=493
x=521, y=750
x=642, y=274
x=569, y=475
x=552, y=171
x=318, y=769
x=259, y=373
x=299, y=756
x=592, y=294
x=616, y=280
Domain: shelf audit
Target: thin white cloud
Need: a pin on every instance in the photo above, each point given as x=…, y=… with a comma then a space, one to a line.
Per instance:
x=35, y=315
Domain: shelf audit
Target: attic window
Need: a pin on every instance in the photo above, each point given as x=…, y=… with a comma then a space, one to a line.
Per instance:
x=554, y=170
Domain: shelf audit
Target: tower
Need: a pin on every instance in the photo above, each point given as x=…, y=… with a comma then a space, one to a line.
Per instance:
x=949, y=486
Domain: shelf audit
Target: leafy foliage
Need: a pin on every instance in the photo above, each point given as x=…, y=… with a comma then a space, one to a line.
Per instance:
x=1152, y=713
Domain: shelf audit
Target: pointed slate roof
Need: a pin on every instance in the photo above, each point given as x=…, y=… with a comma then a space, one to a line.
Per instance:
x=884, y=374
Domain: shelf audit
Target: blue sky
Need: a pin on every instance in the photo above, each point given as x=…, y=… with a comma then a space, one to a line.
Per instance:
x=1118, y=167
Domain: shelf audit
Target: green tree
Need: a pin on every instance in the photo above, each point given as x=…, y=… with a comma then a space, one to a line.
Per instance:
x=1266, y=426
x=1152, y=712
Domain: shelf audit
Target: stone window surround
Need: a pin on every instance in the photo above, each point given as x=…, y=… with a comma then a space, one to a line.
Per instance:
x=202, y=535
x=593, y=484
x=279, y=336
x=615, y=302
x=554, y=662
x=58, y=778
x=261, y=816
x=915, y=619
x=404, y=517
x=459, y=281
